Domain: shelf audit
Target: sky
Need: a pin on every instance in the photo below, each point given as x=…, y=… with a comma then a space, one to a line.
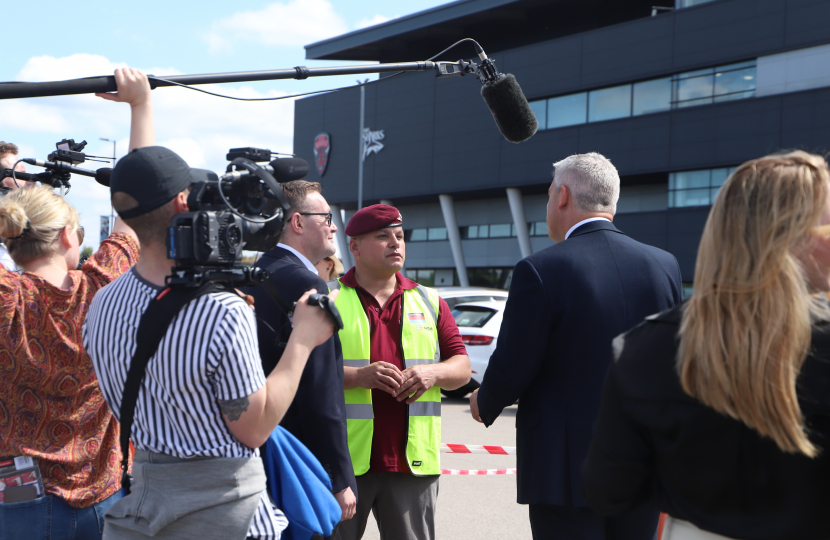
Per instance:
x=50, y=40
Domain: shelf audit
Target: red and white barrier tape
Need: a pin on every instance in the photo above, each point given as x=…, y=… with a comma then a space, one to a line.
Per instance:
x=477, y=472
x=478, y=449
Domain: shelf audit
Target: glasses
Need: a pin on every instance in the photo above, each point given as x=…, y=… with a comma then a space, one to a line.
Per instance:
x=80, y=234
x=328, y=216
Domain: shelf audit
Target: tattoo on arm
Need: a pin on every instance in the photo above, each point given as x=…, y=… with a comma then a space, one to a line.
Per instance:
x=234, y=408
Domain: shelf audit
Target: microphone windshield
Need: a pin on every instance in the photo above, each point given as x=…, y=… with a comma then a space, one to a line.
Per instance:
x=287, y=169
x=510, y=109
x=102, y=176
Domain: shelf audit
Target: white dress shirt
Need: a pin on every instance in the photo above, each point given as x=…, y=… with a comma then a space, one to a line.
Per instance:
x=302, y=258
x=583, y=222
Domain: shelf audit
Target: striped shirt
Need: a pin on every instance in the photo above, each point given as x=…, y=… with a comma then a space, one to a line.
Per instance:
x=208, y=354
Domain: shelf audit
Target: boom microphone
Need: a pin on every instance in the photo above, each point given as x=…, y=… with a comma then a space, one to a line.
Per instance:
x=102, y=176
x=506, y=101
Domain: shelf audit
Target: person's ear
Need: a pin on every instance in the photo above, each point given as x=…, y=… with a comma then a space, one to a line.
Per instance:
x=564, y=196
x=65, y=236
x=354, y=246
x=180, y=202
x=297, y=223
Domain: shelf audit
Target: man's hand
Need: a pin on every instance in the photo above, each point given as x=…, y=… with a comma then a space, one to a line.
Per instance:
x=347, y=502
x=474, y=406
x=133, y=87
x=381, y=376
x=247, y=297
x=417, y=380
x=312, y=324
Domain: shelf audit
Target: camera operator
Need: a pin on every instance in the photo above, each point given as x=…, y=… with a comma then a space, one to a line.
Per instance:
x=205, y=405
x=53, y=409
x=8, y=155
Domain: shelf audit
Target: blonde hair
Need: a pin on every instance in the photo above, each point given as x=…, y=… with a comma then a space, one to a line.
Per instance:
x=43, y=212
x=746, y=331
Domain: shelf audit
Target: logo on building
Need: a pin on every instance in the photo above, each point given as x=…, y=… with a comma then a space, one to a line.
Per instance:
x=322, y=147
x=371, y=142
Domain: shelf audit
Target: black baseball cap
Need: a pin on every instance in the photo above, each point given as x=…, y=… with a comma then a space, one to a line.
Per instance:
x=153, y=176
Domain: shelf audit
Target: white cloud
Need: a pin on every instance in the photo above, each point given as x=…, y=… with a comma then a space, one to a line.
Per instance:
x=294, y=23
x=200, y=127
x=377, y=19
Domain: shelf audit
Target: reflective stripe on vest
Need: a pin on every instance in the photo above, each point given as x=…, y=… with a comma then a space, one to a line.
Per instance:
x=419, y=343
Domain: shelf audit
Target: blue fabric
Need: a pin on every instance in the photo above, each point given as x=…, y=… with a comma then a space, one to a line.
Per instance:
x=51, y=518
x=300, y=487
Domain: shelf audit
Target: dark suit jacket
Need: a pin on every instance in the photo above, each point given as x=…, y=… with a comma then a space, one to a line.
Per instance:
x=566, y=304
x=317, y=416
x=654, y=442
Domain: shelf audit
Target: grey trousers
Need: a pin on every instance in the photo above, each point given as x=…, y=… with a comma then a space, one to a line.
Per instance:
x=403, y=505
x=173, y=498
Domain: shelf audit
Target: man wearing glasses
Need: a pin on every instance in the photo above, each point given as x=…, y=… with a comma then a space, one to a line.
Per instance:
x=317, y=415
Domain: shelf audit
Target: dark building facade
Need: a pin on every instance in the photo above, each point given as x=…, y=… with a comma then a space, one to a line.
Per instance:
x=674, y=98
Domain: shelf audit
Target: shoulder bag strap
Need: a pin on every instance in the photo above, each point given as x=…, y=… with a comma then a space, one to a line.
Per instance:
x=151, y=328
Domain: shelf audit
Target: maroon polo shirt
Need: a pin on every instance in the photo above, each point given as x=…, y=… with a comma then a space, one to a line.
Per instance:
x=391, y=417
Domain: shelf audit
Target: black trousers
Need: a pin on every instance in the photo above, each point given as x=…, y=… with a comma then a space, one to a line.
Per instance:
x=549, y=522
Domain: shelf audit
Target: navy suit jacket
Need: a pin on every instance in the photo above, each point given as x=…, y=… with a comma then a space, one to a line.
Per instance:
x=317, y=416
x=566, y=304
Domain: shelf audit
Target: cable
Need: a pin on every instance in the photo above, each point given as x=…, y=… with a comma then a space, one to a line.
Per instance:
x=152, y=78
x=14, y=177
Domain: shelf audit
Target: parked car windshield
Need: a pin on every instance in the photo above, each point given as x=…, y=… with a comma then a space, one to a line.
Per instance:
x=454, y=301
x=472, y=316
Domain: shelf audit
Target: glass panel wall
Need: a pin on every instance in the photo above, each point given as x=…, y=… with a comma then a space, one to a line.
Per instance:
x=567, y=110
x=724, y=83
x=539, y=109
x=651, y=96
x=700, y=87
x=609, y=103
x=696, y=188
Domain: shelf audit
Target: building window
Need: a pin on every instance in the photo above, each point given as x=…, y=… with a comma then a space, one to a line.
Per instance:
x=538, y=228
x=540, y=109
x=651, y=96
x=437, y=233
x=680, y=4
x=701, y=87
x=696, y=188
x=424, y=235
x=714, y=85
x=498, y=230
x=609, y=103
x=567, y=110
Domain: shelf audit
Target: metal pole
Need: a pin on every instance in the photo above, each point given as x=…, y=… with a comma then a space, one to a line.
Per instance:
x=360, y=163
x=91, y=85
x=112, y=210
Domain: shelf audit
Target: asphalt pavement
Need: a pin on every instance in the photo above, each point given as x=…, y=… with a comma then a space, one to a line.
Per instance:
x=475, y=507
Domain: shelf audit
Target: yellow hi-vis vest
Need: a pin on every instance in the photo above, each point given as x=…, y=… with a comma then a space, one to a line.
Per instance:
x=419, y=341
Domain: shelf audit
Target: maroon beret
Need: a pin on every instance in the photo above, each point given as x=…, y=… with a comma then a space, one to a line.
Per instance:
x=372, y=218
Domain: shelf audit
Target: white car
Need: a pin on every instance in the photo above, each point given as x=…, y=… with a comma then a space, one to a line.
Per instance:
x=478, y=323
x=458, y=295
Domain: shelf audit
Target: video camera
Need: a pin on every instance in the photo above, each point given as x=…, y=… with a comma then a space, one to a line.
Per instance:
x=242, y=209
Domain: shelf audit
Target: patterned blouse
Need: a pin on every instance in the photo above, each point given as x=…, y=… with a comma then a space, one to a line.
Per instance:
x=50, y=405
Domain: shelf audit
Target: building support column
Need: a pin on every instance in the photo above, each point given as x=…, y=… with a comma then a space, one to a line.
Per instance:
x=448, y=209
x=514, y=197
x=386, y=202
x=340, y=235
